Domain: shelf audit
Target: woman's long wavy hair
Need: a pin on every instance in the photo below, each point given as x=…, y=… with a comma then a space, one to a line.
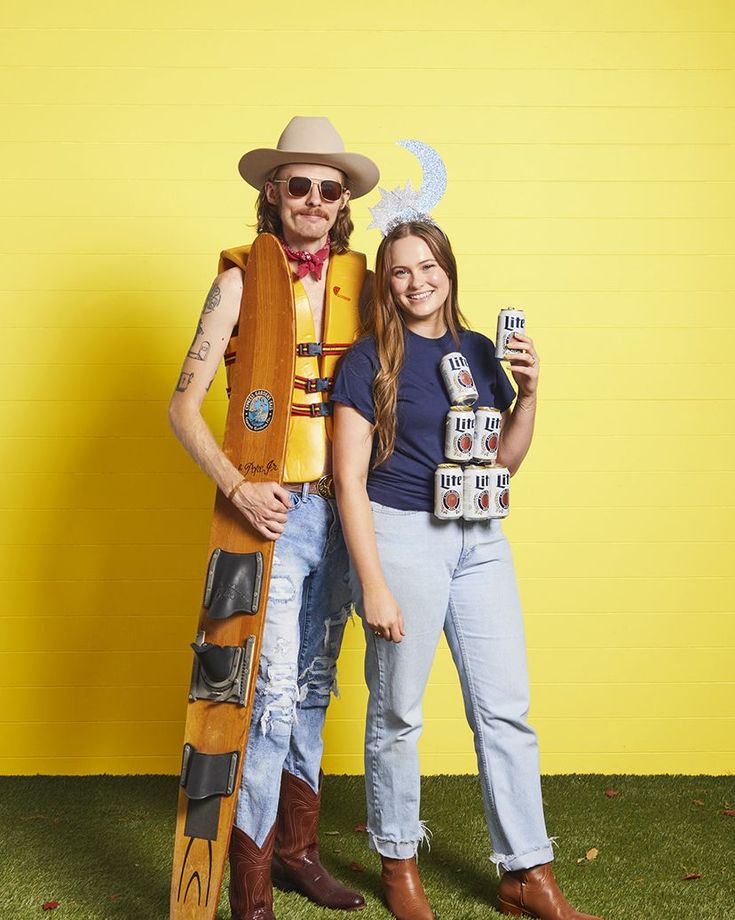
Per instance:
x=268, y=220
x=384, y=321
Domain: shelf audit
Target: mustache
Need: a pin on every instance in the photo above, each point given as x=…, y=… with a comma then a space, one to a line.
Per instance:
x=314, y=212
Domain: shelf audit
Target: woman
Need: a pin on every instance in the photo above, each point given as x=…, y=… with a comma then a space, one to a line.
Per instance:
x=416, y=575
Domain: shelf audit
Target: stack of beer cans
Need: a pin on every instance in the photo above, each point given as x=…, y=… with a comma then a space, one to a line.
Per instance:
x=471, y=486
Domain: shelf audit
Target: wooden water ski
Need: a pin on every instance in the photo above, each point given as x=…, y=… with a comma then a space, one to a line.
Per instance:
x=216, y=731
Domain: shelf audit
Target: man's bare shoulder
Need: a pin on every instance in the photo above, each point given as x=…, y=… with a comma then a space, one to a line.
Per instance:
x=231, y=280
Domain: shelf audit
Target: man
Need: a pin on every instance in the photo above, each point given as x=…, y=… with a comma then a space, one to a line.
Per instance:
x=305, y=186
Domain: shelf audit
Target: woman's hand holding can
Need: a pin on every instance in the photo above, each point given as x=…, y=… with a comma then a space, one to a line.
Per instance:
x=524, y=366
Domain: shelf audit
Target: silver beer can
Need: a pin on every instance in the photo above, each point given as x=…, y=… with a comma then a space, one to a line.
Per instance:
x=458, y=379
x=487, y=434
x=459, y=432
x=509, y=322
x=476, y=493
x=448, y=480
x=499, y=491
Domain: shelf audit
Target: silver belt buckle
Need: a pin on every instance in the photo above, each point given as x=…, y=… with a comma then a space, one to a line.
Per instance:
x=325, y=486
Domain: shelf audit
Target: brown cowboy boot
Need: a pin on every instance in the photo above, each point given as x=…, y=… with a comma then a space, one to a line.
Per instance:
x=535, y=893
x=296, y=863
x=251, y=891
x=403, y=890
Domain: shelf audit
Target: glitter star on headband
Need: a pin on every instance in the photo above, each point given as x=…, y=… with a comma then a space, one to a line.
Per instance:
x=405, y=204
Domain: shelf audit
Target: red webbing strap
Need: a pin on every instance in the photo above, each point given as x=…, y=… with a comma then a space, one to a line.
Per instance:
x=313, y=384
x=311, y=410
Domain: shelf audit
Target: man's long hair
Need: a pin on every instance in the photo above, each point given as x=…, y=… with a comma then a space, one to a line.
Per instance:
x=384, y=321
x=270, y=222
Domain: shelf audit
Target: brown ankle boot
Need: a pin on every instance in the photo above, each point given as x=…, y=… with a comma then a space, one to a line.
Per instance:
x=296, y=863
x=251, y=892
x=535, y=893
x=404, y=892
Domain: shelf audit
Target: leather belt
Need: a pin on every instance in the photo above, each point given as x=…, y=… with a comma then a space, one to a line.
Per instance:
x=324, y=486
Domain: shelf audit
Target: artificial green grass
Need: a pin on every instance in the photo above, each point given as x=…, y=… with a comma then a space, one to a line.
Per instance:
x=101, y=847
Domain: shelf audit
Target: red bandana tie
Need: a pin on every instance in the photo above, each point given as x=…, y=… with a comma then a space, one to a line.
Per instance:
x=307, y=261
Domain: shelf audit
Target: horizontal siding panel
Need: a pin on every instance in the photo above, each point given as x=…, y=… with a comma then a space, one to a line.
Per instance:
x=502, y=50
x=553, y=701
x=492, y=16
x=552, y=453
x=527, y=525
x=586, y=630
x=603, y=381
x=163, y=668
x=129, y=595
x=82, y=236
x=90, y=562
x=575, y=417
x=233, y=200
x=294, y=85
x=558, y=272
x=172, y=310
x=565, y=701
x=446, y=736
x=58, y=345
x=443, y=736
x=185, y=123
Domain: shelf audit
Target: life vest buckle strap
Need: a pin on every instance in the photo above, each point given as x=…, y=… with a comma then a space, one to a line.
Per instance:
x=312, y=410
x=309, y=349
x=314, y=384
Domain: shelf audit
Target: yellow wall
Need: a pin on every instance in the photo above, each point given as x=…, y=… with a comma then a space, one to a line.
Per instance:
x=590, y=155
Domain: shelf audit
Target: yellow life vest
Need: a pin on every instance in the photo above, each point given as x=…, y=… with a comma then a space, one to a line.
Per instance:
x=310, y=424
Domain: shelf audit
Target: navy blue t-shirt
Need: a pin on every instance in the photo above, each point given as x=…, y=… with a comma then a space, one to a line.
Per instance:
x=406, y=479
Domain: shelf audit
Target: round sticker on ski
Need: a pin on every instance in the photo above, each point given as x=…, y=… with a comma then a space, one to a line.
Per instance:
x=258, y=410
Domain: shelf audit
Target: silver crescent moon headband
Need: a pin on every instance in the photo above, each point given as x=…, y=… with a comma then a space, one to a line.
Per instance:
x=404, y=204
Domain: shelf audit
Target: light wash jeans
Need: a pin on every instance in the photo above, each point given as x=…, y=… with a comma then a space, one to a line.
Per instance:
x=309, y=602
x=455, y=576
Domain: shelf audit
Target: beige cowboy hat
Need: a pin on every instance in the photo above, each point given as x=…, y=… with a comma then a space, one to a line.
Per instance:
x=310, y=139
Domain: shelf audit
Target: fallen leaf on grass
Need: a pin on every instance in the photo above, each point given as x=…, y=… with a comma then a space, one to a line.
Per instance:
x=331, y=833
x=611, y=793
x=698, y=802
x=730, y=812
x=356, y=867
x=589, y=855
x=114, y=897
x=360, y=828
x=50, y=905
x=691, y=876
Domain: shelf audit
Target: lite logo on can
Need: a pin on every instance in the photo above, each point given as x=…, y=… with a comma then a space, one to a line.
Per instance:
x=499, y=492
x=476, y=494
x=487, y=434
x=459, y=430
x=458, y=379
x=509, y=322
x=448, y=484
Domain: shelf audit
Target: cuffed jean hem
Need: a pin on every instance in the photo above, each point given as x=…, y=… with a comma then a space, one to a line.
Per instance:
x=401, y=849
x=537, y=857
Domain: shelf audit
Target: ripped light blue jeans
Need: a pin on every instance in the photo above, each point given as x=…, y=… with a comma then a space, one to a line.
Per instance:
x=456, y=577
x=309, y=603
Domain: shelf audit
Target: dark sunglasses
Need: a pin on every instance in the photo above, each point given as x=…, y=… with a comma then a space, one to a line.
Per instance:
x=300, y=186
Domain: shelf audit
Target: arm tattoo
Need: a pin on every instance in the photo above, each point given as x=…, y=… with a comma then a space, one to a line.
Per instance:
x=184, y=381
x=199, y=354
x=213, y=299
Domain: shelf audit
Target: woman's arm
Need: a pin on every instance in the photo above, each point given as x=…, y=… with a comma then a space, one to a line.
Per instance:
x=352, y=447
x=517, y=429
